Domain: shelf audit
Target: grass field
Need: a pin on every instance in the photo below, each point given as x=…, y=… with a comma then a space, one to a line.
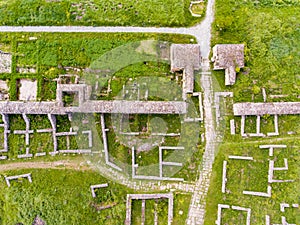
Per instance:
x=97, y=13
x=68, y=199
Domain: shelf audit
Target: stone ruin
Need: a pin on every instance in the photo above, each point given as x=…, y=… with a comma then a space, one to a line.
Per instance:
x=186, y=58
x=266, y=194
x=4, y=96
x=228, y=57
x=97, y=186
x=283, y=218
x=5, y=62
x=8, y=179
x=222, y=206
x=161, y=164
x=259, y=109
x=270, y=108
x=52, y=130
x=145, y=197
x=271, y=170
x=183, y=57
x=27, y=90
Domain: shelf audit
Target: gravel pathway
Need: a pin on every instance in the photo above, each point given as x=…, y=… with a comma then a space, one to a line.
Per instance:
x=198, y=203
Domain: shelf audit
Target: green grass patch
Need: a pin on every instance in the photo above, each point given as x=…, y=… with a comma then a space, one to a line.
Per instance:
x=16, y=122
x=41, y=142
x=198, y=8
x=97, y=13
x=67, y=200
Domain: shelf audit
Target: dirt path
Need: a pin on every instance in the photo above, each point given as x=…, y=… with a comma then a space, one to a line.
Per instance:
x=62, y=164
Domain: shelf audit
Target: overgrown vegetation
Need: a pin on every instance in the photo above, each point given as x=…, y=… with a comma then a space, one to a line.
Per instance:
x=52, y=54
x=270, y=31
x=67, y=200
x=96, y=13
x=148, y=159
x=198, y=8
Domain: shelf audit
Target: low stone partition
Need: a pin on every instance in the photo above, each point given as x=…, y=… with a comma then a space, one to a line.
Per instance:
x=47, y=130
x=6, y=131
x=272, y=108
x=224, y=169
x=27, y=133
x=218, y=96
x=232, y=127
x=162, y=163
x=199, y=119
x=258, y=122
x=71, y=133
x=93, y=187
x=224, y=179
x=272, y=169
x=105, y=144
x=76, y=151
x=26, y=155
x=27, y=175
x=271, y=148
x=285, y=205
x=276, y=132
x=240, y=157
x=222, y=206
x=100, y=106
x=261, y=194
x=52, y=120
x=90, y=137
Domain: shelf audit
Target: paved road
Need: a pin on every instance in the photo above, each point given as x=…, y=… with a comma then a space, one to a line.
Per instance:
x=201, y=31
